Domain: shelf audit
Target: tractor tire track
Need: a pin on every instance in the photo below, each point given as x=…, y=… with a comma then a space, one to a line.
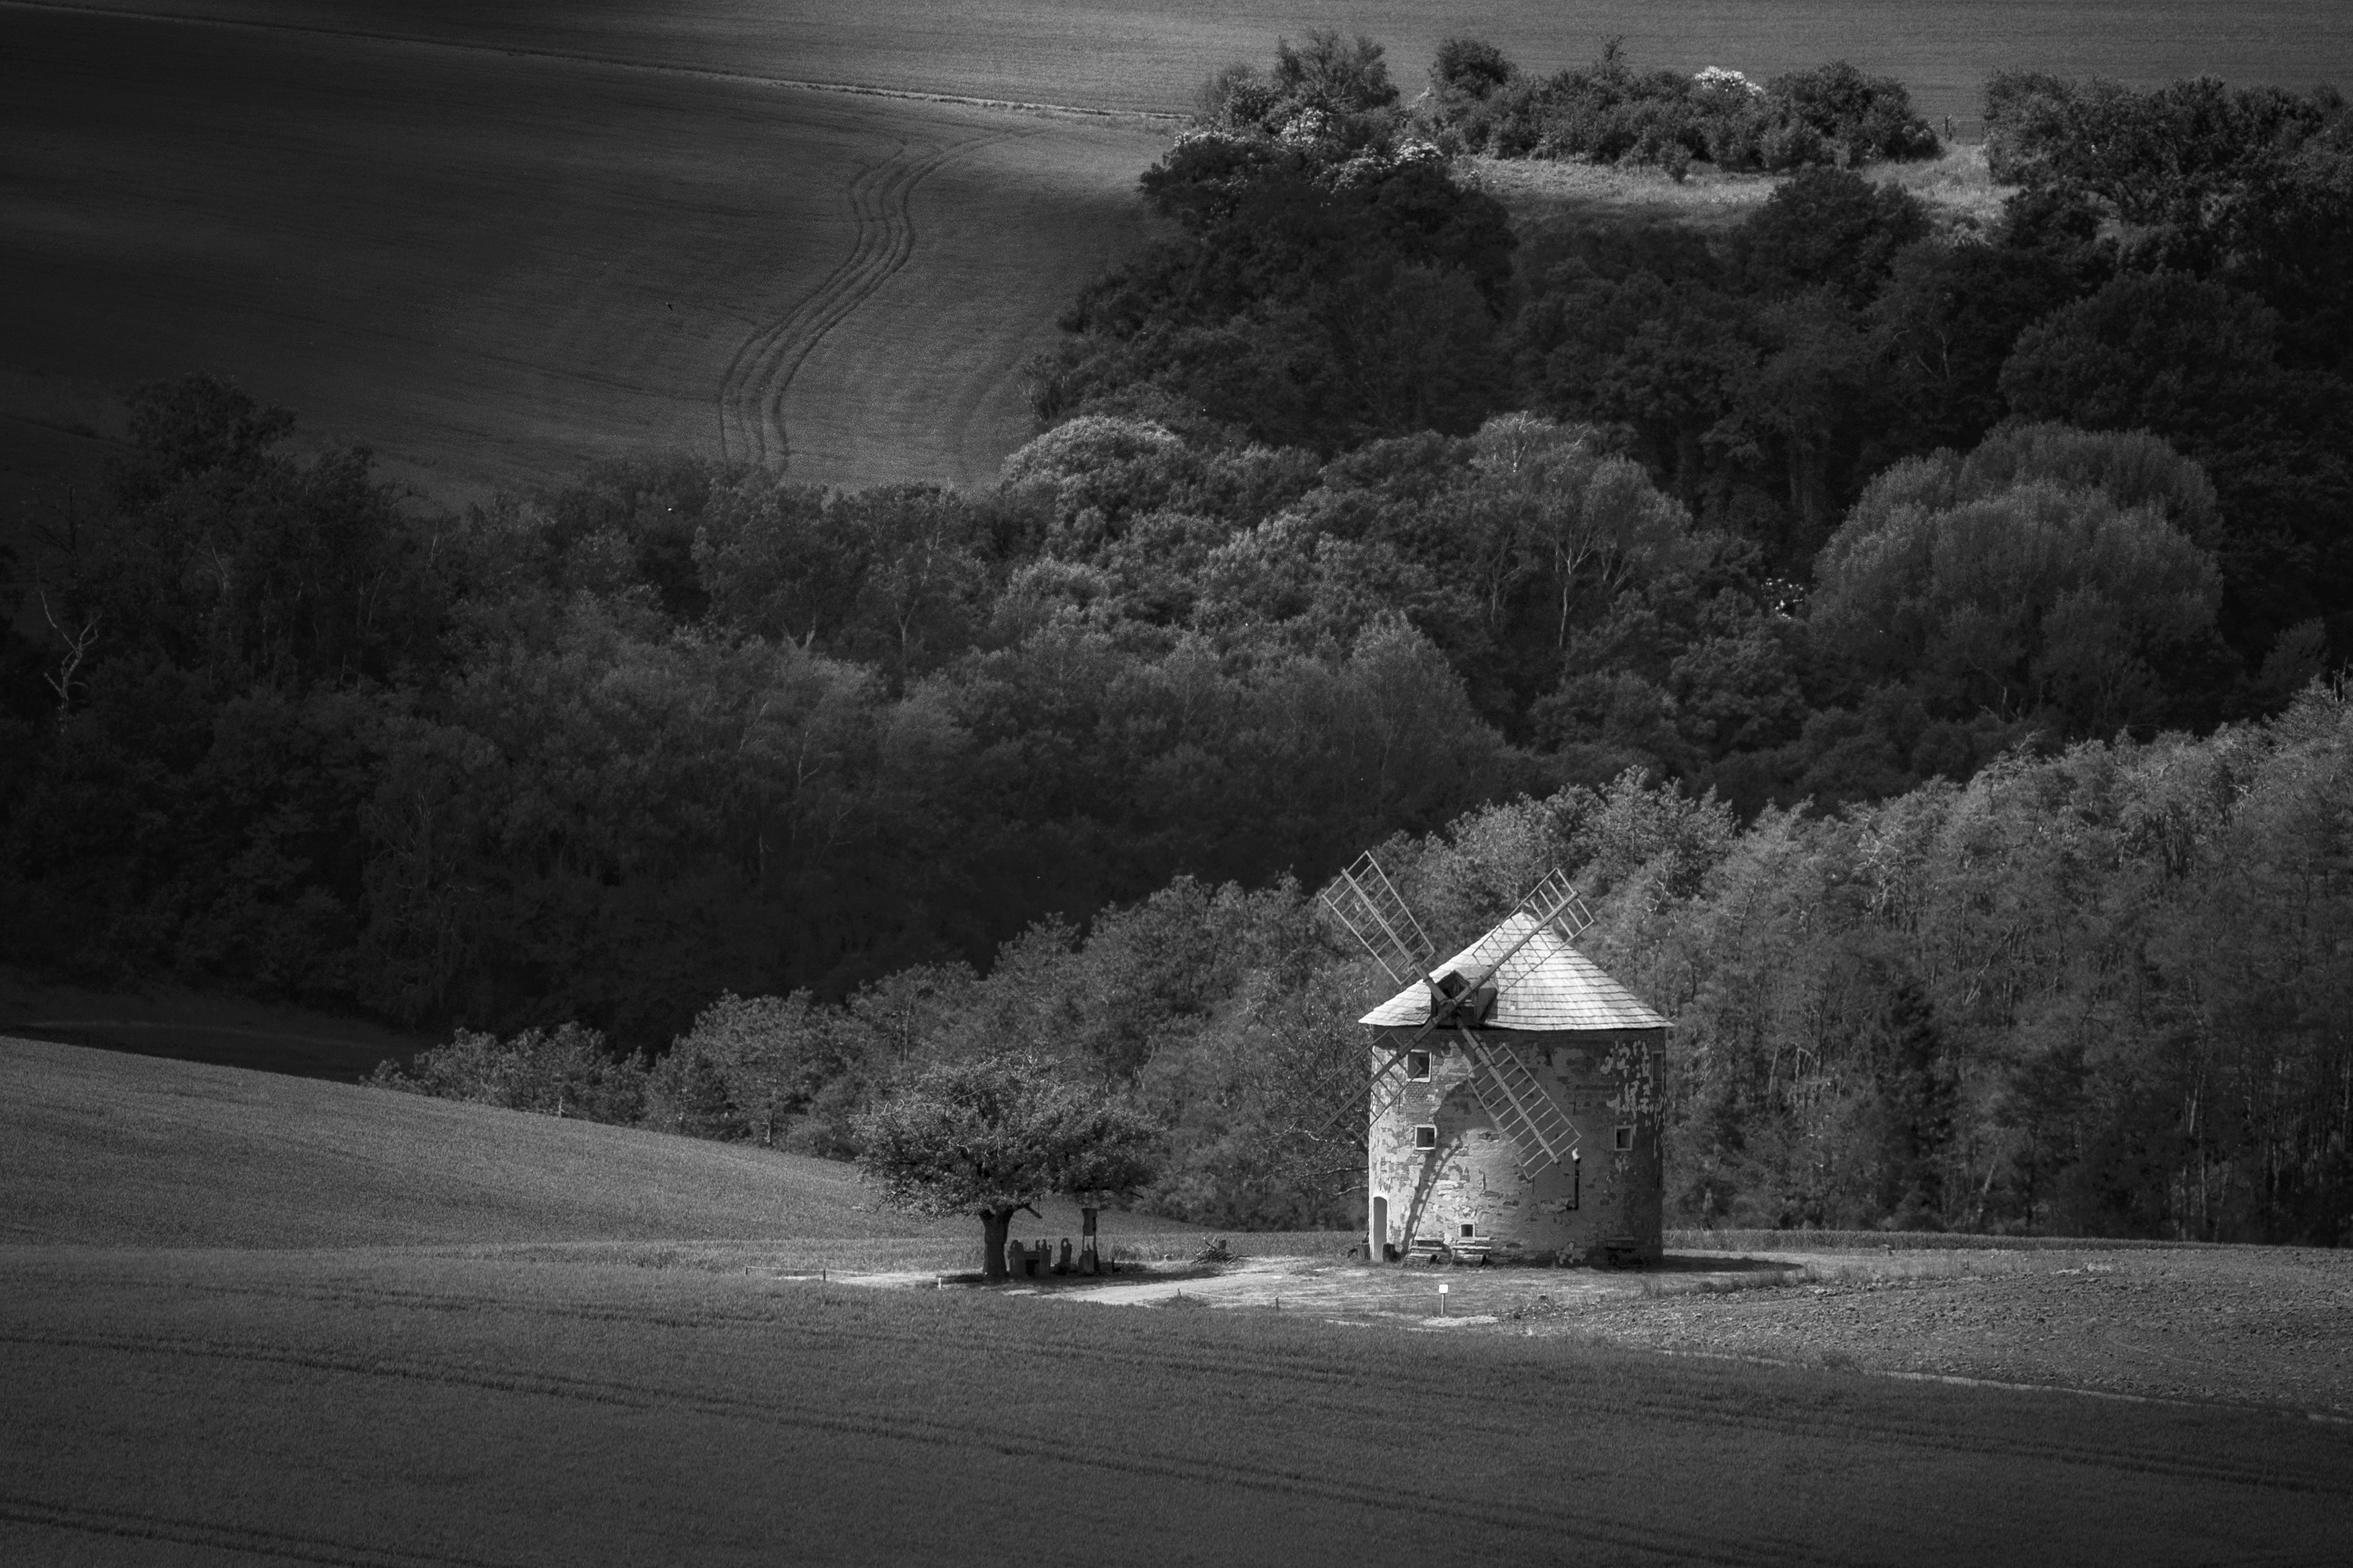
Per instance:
x=246, y=1540
x=1643, y=1537
x=752, y=392
x=743, y=432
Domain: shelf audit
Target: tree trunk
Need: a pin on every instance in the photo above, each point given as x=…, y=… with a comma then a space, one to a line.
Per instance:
x=993, y=1225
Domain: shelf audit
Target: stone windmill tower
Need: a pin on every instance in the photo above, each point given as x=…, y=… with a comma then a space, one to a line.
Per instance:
x=1515, y=1100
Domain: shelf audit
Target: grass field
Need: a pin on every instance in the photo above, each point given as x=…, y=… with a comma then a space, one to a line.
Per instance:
x=1956, y=188
x=110, y=1149
x=249, y=1318
x=201, y=1408
x=497, y=266
x=1149, y=54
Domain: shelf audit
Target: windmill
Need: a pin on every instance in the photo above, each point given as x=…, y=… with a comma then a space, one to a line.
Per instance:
x=1488, y=1070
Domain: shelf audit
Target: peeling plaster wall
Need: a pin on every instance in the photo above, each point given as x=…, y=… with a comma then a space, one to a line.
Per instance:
x=1602, y=1079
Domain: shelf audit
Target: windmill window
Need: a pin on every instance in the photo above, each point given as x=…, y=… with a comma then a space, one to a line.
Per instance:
x=1426, y=1136
x=1625, y=1138
x=1417, y=1066
x=1468, y=1230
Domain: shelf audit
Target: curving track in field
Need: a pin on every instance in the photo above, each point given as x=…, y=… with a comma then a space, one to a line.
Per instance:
x=879, y=199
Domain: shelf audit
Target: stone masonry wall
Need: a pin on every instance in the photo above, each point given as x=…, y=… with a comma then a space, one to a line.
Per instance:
x=1603, y=1080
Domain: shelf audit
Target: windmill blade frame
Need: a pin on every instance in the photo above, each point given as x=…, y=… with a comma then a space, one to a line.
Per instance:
x=1379, y=1100
x=1528, y=1115
x=1364, y=901
x=1556, y=902
x=1553, y=904
x=1367, y=903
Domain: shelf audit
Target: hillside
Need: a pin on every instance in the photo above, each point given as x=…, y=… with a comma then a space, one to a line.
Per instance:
x=1117, y=54
x=103, y=1149
x=494, y=268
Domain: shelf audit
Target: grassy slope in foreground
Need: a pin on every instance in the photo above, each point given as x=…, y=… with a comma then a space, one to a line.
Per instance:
x=103, y=1149
x=339, y=1407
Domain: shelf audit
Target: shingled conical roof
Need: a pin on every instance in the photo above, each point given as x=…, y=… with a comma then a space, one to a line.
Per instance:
x=1545, y=985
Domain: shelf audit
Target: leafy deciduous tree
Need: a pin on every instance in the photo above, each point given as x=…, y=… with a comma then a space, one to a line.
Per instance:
x=989, y=1137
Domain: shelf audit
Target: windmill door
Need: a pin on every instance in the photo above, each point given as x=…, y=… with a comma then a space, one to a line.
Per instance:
x=1380, y=1228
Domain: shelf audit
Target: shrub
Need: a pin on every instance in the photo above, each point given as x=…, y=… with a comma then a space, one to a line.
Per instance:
x=1865, y=118
x=1610, y=114
x=564, y=1071
x=753, y=1065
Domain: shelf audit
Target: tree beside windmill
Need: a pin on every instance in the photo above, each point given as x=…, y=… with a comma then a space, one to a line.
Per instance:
x=1514, y=1107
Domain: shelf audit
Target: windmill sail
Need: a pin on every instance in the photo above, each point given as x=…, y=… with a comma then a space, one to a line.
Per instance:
x=1555, y=904
x=1551, y=905
x=1524, y=975
x=1388, y=1086
x=1521, y=1109
x=1385, y=1088
x=1363, y=900
x=1474, y=989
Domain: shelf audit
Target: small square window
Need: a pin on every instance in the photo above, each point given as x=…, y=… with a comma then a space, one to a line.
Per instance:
x=1417, y=1066
x=1625, y=1138
x=1426, y=1136
x=1468, y=1230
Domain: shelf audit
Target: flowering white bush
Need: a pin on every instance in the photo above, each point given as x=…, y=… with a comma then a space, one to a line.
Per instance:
x=1307, y=128
x=1194, y=135
x=1716, y=77
x=1364, y=169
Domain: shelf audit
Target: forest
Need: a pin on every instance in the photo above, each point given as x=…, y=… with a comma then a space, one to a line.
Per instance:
x=1916, y=638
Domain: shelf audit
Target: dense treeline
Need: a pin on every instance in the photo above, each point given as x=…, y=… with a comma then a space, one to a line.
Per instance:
x=2173, y=261
x=1838, y=594
x=603, y=754
x=606, y=753
x=2102, y=993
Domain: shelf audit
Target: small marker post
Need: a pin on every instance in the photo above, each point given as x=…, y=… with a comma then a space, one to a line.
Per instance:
x=1441, y=1298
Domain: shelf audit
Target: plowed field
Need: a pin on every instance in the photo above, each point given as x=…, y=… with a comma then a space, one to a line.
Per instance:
x=1149, y=54
x=381, y=1408
x=495, y=265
